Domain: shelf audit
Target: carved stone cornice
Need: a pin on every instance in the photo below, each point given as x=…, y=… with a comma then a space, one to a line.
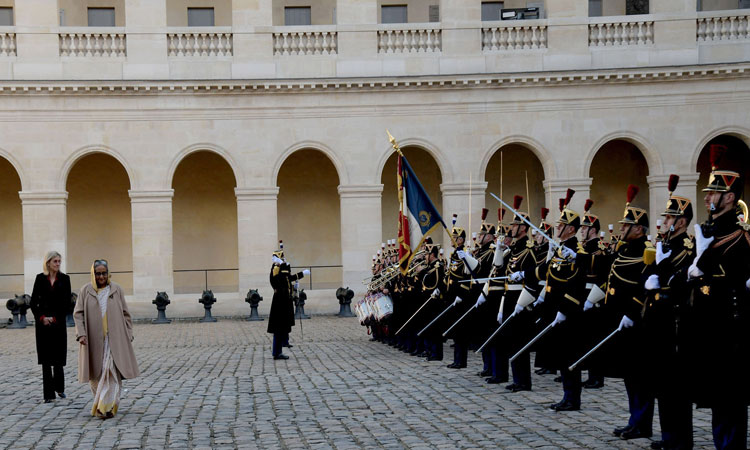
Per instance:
x=43, y=197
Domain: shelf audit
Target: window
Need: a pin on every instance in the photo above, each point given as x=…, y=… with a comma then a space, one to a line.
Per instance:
x=200, y=17
x=595, y=8
x=491, y=10
x=434, y=13
x=297, y=15
x=744, y=4
x=6, y=17
x=393, y=14
x=101, y=17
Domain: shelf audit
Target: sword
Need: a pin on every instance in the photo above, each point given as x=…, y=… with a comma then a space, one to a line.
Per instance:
x=482, y=280
x=301, y=331
x=533, y=227
x=435, y=319
x=495, y=333
x=583, y=358
x=414, y=315
x=533, y=341
x=460, y=319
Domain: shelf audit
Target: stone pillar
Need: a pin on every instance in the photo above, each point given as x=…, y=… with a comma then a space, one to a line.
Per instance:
x=357, y=37
x=558, y=188
x=37, y=42
x=462, y=36
x=44, y=229
x=253, y=51
x=567, y=35
x=257, y=238
x=152, y=242
x=658, y=195
x=456, y=201
x=361, y=231
x=675, y=31
x=146, y=27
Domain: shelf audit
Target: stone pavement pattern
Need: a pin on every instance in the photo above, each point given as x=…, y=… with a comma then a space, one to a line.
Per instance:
x=216, y=386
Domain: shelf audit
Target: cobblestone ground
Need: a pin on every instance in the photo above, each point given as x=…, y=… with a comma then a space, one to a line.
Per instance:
x=216, y=386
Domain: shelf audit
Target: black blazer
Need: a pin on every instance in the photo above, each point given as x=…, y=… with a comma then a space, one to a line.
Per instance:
x=51, y=301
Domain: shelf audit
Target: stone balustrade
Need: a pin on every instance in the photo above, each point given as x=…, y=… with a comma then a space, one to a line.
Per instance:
x=201, y=43
x=85, y=42
x=305, y=41
x=409, y=38
x=515, y=35
x=609, y=33
x=723, y=27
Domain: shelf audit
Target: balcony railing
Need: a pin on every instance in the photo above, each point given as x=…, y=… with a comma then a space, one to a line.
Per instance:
x=200, y=43
x=7, y=43
x=720, y=26
x=512, y=35
x=609, y=33
x=410, y=38
x=305, y=41
x=98, y=43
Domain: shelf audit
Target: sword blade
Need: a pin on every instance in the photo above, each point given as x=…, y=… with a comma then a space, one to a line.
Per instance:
x=414, y=315
x=499, y=329
x=532, y=342
x=552, y=242
x=435, y=319
x=596, y=347
x=459, y=320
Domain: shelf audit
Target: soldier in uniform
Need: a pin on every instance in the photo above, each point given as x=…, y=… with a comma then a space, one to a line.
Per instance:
x=541, y=248
x=721, y=308
x=281, y=317
x=664, y=323
x=432, y=285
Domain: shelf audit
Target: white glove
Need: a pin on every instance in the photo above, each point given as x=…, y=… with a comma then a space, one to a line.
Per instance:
x=480, y=300
x=457, y=301
x=660, y=255
x=515, y=277
x=701, y=243
x=550, y=252
x=559, y=318
x=652, y=282
x=306, y=272
x=499, y=258
x=500, y=316
x=567, y=253
x=276, y=260
x=436, y=292
x=693, y=270
x=747, y=284
x=587, y=305
x=517, y=309
x=625, y=323
x=539, y=300
x=461, y=254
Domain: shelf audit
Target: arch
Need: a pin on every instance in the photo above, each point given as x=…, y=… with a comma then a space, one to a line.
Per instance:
x=16, y=165
x=91, y=149
x=311, y=145
x=741, y=133
x=543, y=155
x=238, y=178
x=653, y=160
x=446, y=171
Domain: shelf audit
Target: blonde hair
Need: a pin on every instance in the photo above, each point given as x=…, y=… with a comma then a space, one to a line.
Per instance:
x=52, y=254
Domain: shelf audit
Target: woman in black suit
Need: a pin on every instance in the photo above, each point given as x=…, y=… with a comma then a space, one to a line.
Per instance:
x=50, y=302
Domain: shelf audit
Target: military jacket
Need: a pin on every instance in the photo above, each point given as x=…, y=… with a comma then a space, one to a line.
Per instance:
x=625, y=294
x=595, y=261
x=565, y=281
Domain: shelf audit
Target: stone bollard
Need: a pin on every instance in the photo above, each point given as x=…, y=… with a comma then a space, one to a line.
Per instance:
x=161, y=301
x=69, y=322
x=299, y=305
x=253, y=298
x=345, y=296
x=18, y=307
x=208, y=300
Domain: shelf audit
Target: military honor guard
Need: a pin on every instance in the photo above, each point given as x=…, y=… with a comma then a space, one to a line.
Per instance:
x=281, y=317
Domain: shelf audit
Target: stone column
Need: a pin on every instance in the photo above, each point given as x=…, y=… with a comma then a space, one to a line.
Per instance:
x=462, y=36
x=567, y=35
x=257, y=238
x=146, y=28
x=658, y=195
x=37, y=42
x=361, y=231
x=152, y=242
x=456, y=201
x=357, y=37
x=557, y=188
x=253, y=51
x=44, y=229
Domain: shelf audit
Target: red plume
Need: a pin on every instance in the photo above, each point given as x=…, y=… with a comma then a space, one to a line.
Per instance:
x=545, y=211
x=716, y=153
x=568, y=196
x=562, y=204
x=588, y=205
x=673, y=180
x=517, y=200
x=500, y=214
x=484, y=213
x=632, y=192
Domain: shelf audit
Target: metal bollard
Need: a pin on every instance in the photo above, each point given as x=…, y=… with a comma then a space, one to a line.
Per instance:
x=18, y=307
x=69, y=322
x=161, y=301
x=299, y=305
x=345, y=296
x=208, y=300
x=253, y=298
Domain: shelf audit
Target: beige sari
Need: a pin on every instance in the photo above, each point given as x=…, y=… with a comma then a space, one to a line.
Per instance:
x=107, y=388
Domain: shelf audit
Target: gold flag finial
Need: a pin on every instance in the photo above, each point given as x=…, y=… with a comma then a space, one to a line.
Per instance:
x=393, y=142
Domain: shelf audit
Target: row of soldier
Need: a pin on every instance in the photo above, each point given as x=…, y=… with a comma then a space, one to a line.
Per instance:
x=671, y=318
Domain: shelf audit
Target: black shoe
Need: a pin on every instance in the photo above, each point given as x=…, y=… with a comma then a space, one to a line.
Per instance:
x=567, y=406
x=558, y=380
x=48, y=400
x=61, y=395
x=484, y=373
x=424, y=354
x=288, y=346
x=495, y=380
x=521, y=387
x=511, y=386
x=282, y=356
x=545, y=371
x=456, y=366
x=658, y=445
x=554, y=406
x=634, y=433
x=434, y=358
x=619, y=430
x=593, y=384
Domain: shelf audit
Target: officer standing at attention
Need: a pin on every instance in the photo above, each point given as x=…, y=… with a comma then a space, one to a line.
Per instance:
x=281, y=317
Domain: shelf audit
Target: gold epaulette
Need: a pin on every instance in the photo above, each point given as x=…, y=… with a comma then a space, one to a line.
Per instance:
x=276, y=270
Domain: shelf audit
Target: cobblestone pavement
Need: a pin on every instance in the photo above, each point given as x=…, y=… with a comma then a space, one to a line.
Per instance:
x=216, y=386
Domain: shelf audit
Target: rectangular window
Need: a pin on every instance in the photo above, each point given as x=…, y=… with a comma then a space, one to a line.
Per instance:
x=6, y=17
x=200, y=17
x=595, y=8
x=744, y=4
x=434, y=13
x=393, y=14
x=297, y=15
x=101, y=17
x=491, y=10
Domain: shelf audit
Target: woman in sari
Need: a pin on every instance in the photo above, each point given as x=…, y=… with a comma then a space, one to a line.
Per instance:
x=105, y=331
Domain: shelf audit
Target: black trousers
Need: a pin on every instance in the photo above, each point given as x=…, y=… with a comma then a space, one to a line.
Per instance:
x=52, y=381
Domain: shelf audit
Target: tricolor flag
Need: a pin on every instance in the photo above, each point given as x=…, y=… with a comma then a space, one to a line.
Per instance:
x=417, y=216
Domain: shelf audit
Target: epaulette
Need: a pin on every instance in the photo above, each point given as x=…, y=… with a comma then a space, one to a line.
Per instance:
x=581, y=250
x=688, y=241
x=276, y=270
x=529, y=243
x=602, y=246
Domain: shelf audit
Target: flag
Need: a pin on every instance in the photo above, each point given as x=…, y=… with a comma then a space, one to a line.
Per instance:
x=417, y=216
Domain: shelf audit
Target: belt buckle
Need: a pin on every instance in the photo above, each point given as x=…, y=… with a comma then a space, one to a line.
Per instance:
x=611, y=291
